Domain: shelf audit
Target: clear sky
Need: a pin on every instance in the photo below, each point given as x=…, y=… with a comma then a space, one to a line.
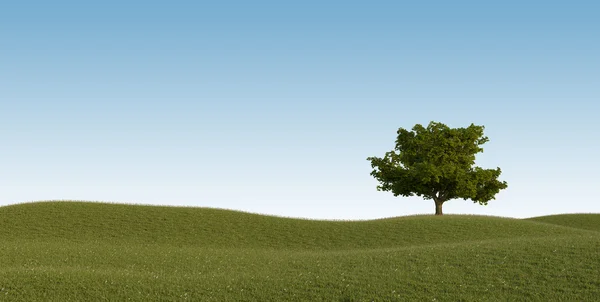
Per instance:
x=273, y=106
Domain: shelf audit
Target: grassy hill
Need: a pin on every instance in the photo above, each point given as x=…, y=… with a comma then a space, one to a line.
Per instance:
x=96, y=251
x=580, y=221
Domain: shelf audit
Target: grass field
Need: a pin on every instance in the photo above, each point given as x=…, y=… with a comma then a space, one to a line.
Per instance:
x=62, y=251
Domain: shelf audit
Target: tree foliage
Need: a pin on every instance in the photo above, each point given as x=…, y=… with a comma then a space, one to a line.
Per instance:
x=437, y=163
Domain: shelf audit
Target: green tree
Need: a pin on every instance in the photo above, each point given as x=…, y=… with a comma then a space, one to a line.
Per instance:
x=437, y=163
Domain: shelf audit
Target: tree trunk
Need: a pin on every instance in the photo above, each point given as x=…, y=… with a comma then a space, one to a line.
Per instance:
x=438, y=207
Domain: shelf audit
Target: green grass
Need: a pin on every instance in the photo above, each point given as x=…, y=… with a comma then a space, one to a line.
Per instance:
x=580, y=221
x=60, y=251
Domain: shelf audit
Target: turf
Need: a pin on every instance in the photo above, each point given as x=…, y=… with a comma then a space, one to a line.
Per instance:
x=61, y=251
x=580, y=221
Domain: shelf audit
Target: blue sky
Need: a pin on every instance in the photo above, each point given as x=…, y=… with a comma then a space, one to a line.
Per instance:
x=273, y=107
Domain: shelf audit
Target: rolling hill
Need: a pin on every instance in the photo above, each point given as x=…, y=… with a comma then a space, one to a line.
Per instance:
x=100, y=251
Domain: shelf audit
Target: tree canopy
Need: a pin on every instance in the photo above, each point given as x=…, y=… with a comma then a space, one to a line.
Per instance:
x=437, y=162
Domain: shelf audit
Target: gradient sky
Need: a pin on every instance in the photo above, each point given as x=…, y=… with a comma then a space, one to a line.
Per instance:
x=273, y=107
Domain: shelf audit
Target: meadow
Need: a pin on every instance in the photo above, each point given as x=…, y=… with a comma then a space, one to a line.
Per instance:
x=88, y=251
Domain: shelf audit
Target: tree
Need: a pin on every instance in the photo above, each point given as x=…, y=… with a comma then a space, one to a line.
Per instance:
x=437, y=163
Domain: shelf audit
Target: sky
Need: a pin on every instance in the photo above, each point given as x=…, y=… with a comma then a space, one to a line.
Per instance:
x=272, y=107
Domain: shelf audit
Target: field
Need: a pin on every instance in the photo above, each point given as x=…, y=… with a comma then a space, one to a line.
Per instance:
x=83, y=251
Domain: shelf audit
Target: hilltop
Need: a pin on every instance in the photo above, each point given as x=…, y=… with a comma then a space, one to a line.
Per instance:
x=98, y=251
x=209, y=227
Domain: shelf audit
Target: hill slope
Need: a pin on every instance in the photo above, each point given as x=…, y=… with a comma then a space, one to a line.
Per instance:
x=76, y=251
x=83, y=221
x=580, y=221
